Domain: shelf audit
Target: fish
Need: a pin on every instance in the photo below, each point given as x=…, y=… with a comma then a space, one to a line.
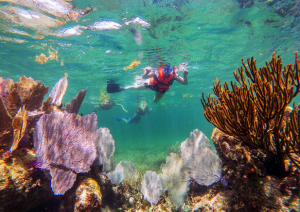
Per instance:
x=133, y=64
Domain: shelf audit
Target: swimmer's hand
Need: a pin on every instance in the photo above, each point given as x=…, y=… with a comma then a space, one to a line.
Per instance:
x=185, y=73
x=147, y=73
x=147, y=70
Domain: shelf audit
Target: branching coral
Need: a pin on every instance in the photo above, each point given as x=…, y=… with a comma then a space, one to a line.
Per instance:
x=253, y=112
x=292, y=144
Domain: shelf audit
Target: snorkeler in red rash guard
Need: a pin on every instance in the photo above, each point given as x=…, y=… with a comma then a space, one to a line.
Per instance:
x=141, y=111
x=160, y=81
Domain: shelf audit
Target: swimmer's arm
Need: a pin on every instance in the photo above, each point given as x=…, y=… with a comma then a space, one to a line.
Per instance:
x=148, y=73
x=150, y=109
x=122, y=107
x=184, y=80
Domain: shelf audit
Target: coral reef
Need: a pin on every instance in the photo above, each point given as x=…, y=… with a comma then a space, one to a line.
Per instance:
x=59, y=90
x=175, y=179
x=124, y=170
x=105, y=145
x=253, y=112
x=88, y=196
x=17, y=100
x=64, y=144
x=19, y=124
x=245, y=185
x=151, y=187
x=21, y=186
x=202, y=162
x=74, y=105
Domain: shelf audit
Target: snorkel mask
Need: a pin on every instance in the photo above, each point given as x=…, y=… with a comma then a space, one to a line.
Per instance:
x=168, y=70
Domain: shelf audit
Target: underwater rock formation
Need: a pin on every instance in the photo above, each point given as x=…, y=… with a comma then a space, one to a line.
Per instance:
x=74, y=105
x=21, y=188
x=253, y=112
x=65, y=145
x=245, y=185
x=175, y=179
x=151, y=187
x=105, y=145
x=201, y=160
x=124, y=170
x=88, y=196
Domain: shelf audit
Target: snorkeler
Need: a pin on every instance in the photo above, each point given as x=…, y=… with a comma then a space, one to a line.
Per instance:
x=106, y=105
x=160, y=80
x=141, y=111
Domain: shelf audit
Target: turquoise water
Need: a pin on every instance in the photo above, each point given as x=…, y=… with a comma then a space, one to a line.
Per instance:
x=211, y=36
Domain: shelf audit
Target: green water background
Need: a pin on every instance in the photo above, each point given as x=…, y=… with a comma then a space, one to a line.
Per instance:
x=211, y=36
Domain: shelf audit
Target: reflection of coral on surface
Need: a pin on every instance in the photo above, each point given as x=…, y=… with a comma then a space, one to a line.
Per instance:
x=133, y=64
x=42, y=59
x=53, y=54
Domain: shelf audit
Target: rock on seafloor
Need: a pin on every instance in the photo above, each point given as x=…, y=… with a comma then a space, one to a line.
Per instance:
x=22, y=187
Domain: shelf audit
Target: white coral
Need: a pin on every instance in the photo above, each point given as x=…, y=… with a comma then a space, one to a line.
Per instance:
x=151, y=187
x=175, y=179
x=202, y=161
x=125, y=169
x=105, y=145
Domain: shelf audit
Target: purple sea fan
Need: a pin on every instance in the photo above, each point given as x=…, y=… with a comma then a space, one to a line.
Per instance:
x=64, y=144
x=201, y=160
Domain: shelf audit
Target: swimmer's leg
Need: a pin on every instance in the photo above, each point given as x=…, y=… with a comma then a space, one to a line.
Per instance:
x=157, y=97
x=136, y=87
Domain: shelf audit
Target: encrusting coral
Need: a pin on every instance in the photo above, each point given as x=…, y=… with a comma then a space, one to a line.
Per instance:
x=253, y=112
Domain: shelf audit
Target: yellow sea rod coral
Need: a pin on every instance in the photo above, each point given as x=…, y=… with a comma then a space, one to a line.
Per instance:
x=253, y=112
